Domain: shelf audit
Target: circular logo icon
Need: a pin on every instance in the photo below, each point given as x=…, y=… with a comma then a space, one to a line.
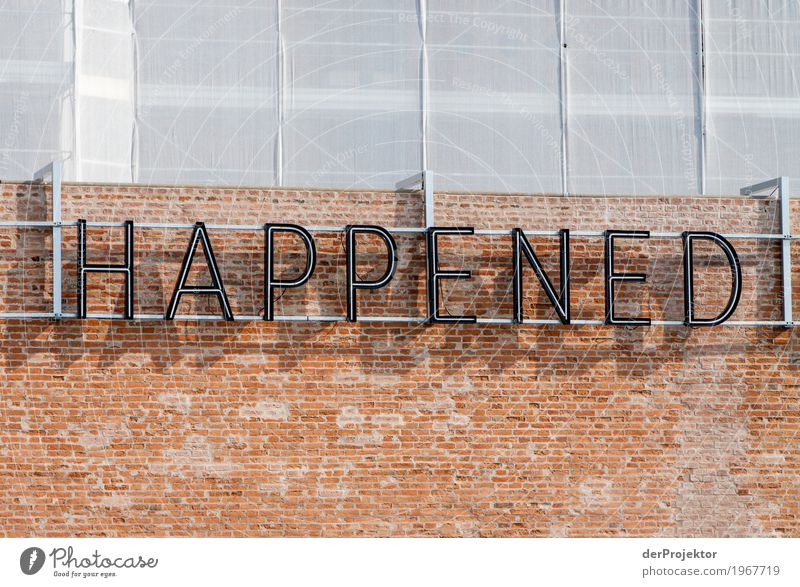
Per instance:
x=31, y=560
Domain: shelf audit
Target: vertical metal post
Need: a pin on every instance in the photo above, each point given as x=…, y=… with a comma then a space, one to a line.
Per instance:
x=701, y=50
x=77, y=72
x=424, y=90
x=425, y=181
x=786, y=248
x=57, y=240
x=562, y=94
x=427, y=186
x=781, y=185
x=280, y=69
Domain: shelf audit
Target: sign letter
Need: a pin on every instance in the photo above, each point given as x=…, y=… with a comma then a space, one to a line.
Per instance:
x=612, y=276
x=269, y=263
x=199, y=233
x=354, y=284
x=435, y=274
x=126, y=268
x=560, y=301
x=688, y=278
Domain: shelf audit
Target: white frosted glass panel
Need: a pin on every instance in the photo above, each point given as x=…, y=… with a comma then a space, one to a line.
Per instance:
x=753, y=57
x=494, y=95
x=104, y=90
x=634, y=97
x=188, y=92
x=352, y=113
x=207, y=98
x=35, y=86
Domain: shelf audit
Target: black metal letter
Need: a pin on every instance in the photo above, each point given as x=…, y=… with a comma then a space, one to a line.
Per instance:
x=269, y=263
x=435, y=274
x=352, y=283
x=688, y=278
x=199, y=233
x=126, y=268
x=612, y=276
x=560, y=301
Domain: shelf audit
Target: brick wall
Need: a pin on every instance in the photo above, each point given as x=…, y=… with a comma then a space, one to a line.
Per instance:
x=384, y=429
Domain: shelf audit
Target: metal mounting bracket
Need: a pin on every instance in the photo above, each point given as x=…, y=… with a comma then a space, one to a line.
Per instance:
x=781, y=186
x=53, y=170
x=423, y=180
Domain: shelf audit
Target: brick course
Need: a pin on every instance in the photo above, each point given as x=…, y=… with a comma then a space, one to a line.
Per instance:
x=151, y=428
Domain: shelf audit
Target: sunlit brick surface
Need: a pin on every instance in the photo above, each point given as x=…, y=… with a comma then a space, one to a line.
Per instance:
x=384, y=429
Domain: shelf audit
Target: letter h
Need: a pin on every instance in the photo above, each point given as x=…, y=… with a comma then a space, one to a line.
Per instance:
x=126, y=268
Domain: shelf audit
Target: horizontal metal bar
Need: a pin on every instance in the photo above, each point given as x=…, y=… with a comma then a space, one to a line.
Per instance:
x=479, y=231
x=27, y=315
x=307, y=318
x=390, y=319
x=759, y=323
x=731, y=235
x=402, y=319
x=242, y=227
x=203, y=317
x=653, y=234
x=31, y=224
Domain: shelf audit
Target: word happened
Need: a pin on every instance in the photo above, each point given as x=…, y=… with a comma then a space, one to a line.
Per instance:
x=522, y=254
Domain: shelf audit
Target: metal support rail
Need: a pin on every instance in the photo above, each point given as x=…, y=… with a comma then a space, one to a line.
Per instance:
x=423, y=180
x=54, y=171
x=368, y=319
x=781, y=185
x=397, y=230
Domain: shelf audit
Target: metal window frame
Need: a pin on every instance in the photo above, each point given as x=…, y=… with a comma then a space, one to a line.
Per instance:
x=424, y=181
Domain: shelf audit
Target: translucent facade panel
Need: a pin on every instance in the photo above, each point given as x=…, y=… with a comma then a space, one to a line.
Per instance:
x=488, y=95
x=35, y=86
x=753, y=80
x=633, y=97
x=207, y=92
x=352, y=114
x=104, y=91
x=495, y=121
